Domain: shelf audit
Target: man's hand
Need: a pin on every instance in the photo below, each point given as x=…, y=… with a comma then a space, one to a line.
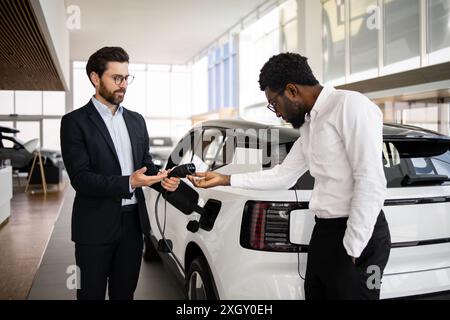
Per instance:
x=209, y=179
x=170, y=184
x=138, y=178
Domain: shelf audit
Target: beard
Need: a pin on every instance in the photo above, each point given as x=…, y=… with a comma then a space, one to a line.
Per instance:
x=296, y=113
x=111, y=96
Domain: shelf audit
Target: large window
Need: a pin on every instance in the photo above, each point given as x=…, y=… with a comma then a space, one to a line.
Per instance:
x=36, y=114
x=424, y=115
x=28, y=102
x=28, y=130
x=54, y=103
x=223, y=76
x=82, y=87
x=363, y=39
x=160, y=93
x=180, y=89
x=401, y=34
x=257, y=43
x=7, y=102
x=135, y=98
x=432, y=114
x=288, y=26
x=438, y=30
x=200, y=86
x=51, y=128
x=266, y=33
x=334, y=17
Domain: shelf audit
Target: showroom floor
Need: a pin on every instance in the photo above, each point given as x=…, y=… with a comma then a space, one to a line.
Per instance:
x=24, y=237
x=36, y=252
x=55, y=269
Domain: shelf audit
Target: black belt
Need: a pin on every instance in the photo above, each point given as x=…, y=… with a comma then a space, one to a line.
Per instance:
x=130, y=208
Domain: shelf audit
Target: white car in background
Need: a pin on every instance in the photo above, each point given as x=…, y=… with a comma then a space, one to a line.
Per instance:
x=251, y=244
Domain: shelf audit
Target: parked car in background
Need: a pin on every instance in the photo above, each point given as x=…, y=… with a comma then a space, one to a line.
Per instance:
x=22, y=153
x=160, y=149
x=252, y=244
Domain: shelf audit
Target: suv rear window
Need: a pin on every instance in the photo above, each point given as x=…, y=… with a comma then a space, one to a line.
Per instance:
x=407, y=163
x=416, y=163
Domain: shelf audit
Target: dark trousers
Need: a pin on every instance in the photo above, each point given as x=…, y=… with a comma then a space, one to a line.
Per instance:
x=116, y=265
x=331, y=274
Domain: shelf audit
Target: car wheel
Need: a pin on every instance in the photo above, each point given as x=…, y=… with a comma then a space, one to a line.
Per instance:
x=199, y=284
x=150, y=252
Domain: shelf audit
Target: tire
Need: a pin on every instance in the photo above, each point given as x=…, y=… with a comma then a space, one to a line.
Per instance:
x=150, y=252
x=200, y=284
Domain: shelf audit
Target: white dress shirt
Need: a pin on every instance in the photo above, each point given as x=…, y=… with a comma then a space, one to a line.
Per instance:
x=119, y=134
x=341, y=144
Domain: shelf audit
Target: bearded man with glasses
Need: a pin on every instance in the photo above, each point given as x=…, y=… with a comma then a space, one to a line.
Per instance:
x=105, y=148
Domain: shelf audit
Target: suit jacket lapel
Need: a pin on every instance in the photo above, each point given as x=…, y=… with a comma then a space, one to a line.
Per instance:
x=133, y=137
x=100, y=124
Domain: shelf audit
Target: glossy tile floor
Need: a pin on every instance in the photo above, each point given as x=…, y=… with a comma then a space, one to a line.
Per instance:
x=36, y=252
x=24, y=237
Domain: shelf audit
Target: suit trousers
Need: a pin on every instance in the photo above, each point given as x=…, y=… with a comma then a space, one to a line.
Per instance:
x=331, y=273
x=115, y=265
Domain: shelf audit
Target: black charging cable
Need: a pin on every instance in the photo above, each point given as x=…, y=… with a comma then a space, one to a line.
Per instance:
x=179, y=172
x=161, y=231
x=298, y=253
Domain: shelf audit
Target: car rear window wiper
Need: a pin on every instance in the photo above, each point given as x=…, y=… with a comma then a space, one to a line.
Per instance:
x=429, y=179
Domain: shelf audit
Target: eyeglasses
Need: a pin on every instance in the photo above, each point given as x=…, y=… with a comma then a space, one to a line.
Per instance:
x=271, y=106
x=118, y=79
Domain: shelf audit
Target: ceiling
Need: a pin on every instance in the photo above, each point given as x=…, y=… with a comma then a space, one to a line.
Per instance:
x=25, y=61
x=154, y=31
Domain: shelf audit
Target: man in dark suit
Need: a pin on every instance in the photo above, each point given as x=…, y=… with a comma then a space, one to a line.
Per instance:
x=105, y=148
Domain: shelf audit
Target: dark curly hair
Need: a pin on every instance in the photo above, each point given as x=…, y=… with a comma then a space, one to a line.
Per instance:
x=98, y=60
x=286, y=68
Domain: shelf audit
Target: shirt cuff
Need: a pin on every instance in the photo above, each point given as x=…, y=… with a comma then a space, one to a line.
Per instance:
x=236, y=180
x=129, y=184
x=354, y=241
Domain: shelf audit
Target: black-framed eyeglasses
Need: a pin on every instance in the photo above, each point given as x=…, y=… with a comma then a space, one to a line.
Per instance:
x=271, y=106
x=118, y=79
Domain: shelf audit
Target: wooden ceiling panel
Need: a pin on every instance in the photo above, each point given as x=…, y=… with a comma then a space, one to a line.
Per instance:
x=25, y=61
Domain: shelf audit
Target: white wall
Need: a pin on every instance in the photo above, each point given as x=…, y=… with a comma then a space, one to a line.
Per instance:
x=51, y=16
x=309, y=19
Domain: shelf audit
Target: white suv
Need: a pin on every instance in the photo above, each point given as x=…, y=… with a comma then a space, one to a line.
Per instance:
x=230, y=243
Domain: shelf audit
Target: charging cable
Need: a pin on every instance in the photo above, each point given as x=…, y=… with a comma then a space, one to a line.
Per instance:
x=298, y=253
x=180, y=172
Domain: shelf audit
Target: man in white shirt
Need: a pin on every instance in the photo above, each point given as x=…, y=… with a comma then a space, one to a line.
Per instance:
x=341, y=145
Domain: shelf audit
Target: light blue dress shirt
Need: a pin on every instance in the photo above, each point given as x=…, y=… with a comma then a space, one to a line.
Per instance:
x=121, y=139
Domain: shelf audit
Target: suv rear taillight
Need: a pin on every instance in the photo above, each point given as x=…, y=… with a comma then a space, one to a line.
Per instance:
x=265, y=226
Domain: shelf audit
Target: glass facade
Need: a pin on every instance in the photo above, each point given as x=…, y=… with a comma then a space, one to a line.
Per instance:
x=32, y=111
x=223, y=76
x=371, y=38
x=401, y=34
x=160, y=93
x=363, y=38
x=438, y=35
x=334, y=40
x=432, y=114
